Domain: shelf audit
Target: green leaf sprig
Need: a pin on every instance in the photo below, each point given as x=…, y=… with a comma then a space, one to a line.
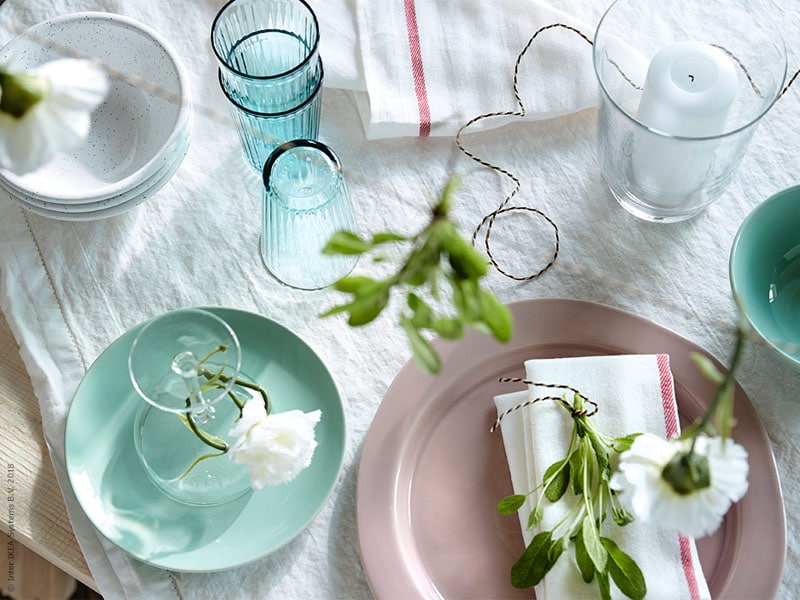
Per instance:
x=584, y=474
x=438, y=254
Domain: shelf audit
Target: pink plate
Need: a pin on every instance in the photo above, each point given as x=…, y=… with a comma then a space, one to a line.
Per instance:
x=431, y=473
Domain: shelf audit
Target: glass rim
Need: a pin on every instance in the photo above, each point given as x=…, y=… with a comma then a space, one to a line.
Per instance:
x=154, y=321
x=281, y=113
x=290, y=145
x=752, y=121
x=309, y=55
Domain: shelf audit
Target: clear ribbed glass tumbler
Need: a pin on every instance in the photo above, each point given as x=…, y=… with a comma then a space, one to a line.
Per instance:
x=305, y=202
x=268, y=51
x=262, y=132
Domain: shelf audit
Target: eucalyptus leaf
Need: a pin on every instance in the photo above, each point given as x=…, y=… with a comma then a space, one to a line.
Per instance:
x=601, y=454
x=604, y=585
x=449, y=329
x=466, y=299
x=558, y=475
x=707, y=367
x=577, y=467
x=536, y=516
x=355, y=284
x=555, y=552
x=445, y=204
x=594, y=547
x=423, y=353
x=365, y=310
x=621, y=444
x=534, y=563
x=511, y=504
x=423, y=314
x=624, y=571
x=388, y=236
x=346, y=242
x=497, y=316
x=464, y=259
x=621, y=516
x=585, y=564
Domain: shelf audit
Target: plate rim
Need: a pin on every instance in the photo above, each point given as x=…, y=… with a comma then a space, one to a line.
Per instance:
x=323, y=500
x=381, y=588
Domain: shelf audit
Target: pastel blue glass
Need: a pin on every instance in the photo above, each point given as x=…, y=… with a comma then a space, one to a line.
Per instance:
x=305, y=203
x=268, y=51
x=262, y=132
x=683, y=86
x=765, y=272
x=171, y=360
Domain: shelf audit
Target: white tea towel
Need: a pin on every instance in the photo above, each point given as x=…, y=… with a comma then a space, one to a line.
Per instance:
x=432, y=65
x=635, y=394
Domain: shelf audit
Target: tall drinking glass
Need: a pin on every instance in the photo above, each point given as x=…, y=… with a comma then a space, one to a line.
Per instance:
x=683, y=85
x=268, y=51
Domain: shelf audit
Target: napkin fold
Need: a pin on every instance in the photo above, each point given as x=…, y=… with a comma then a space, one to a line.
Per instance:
x=635, y=393
x=432, y=65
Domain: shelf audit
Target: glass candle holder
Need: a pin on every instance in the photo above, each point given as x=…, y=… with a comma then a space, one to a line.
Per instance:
x=261, y=132
x=268, y=51
x=305, y=202
x=683, y=86
x=185, y=365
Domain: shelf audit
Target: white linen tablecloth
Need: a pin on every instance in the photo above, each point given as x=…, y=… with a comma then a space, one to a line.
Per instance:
x=69, y=289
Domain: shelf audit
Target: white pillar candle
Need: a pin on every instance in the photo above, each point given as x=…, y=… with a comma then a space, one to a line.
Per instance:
x=688, y=92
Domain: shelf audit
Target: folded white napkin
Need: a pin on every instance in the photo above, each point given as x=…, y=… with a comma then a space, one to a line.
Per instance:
x=635, y=394
x=432, y=65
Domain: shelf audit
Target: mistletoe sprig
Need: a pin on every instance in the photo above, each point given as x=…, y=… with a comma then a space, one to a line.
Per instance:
x=437, y=255
x=585, y=474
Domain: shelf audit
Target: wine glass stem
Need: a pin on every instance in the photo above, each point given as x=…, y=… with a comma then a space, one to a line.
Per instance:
x=188, y=367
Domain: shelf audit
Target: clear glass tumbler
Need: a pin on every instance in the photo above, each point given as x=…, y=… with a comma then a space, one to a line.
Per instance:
x=305, y=202
x=268, y=52
x=683, y=85
x=262, y=132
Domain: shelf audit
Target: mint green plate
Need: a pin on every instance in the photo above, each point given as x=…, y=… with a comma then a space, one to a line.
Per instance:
x=127, y=508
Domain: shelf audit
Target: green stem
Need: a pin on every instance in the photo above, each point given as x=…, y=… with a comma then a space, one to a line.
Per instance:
x=204, y=437
x=245, y=384
x=720, y=393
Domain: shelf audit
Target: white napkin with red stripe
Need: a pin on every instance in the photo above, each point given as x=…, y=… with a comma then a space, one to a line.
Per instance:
x=432, y=65
x=635, y=393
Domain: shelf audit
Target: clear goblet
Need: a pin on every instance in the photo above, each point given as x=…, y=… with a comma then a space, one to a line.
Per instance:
x=185, y=364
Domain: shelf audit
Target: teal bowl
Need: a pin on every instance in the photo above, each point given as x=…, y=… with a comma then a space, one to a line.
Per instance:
x=765, y=272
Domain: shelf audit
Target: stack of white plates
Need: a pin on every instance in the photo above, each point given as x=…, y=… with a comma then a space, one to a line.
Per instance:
x=139, y=135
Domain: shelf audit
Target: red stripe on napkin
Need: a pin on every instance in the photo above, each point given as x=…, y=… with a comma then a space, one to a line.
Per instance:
x=417, y=69
x=667, y=396
x=671, y=426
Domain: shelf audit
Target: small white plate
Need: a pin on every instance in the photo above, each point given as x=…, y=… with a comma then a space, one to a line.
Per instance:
x=147, y=108
x=168, y=163
x=153, y=185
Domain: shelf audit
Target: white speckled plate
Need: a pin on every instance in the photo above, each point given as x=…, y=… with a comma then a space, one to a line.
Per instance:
x=146, y=110
x=78, y=210
x=113, y=206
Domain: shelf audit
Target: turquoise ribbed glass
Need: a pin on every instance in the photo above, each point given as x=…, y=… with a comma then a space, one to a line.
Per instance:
x=268, y=53
x=305, y=202
x=261, y=133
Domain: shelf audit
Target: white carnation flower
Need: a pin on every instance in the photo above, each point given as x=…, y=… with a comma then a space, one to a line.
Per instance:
x=47, y=110
x=276, y=447
x=653, y=499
